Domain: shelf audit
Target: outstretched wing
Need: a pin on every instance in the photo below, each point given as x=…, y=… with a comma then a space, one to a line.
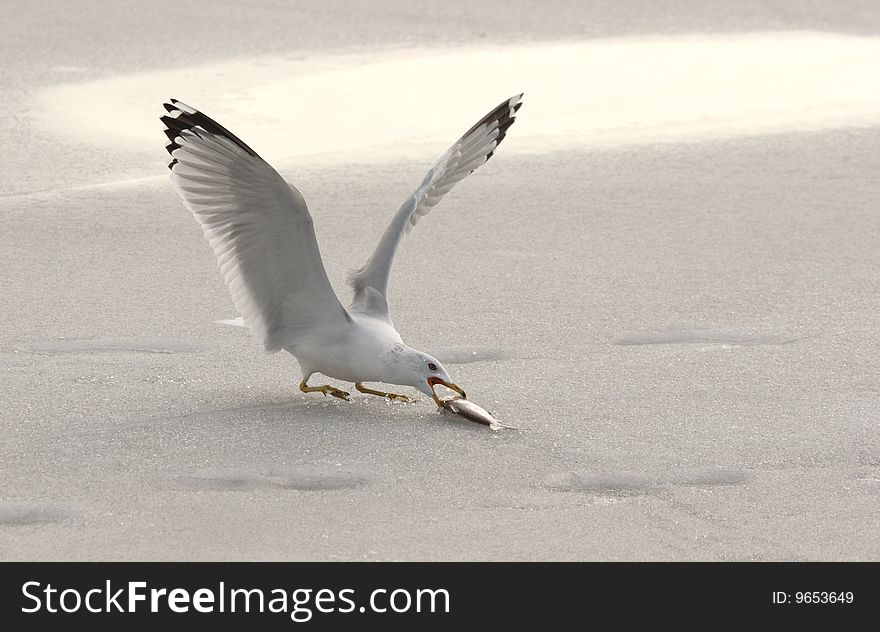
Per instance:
x=370, y=283
x=258, y=225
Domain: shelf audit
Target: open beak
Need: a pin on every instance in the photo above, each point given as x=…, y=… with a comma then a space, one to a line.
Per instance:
x=434, y=381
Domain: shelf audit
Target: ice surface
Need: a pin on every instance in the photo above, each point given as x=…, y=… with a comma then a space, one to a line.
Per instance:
x=701, y=337
x=134, y=427
x=113, y=345
x=310, y=478
x=628, y=91
x=22, y=514
x=461, y=355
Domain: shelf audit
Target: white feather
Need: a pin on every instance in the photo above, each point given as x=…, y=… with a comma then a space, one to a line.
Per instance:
x=370, y=283
x=259, y=228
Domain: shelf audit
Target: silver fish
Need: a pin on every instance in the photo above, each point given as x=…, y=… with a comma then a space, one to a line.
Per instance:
x=472, y=412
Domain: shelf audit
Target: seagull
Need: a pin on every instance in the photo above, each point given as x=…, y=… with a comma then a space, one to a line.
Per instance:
x=263, y=236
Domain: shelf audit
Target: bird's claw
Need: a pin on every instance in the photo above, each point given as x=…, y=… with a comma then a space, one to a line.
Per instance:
x=390, y=396
x=396, y=397
x=335, y=392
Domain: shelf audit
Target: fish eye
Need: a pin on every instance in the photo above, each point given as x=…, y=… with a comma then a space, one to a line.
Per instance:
x=432, y=366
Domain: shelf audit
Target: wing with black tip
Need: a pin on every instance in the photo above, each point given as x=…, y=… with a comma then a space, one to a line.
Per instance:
x=370, y=283
x=258, y=226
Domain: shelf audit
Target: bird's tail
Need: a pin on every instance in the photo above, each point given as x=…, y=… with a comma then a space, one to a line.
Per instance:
x=232, y=322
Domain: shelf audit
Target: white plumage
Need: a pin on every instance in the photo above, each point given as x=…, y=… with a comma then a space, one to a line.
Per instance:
x=262, y=234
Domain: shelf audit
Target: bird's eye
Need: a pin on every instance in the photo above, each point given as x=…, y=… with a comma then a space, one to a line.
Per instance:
x=432, y=366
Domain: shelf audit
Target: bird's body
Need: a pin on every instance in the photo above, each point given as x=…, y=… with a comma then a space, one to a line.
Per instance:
x=263, y=237
x=365, y=350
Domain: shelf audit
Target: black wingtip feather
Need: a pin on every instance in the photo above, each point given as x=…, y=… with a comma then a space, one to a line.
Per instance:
x=170, y=133
x=504, y=114
x=187, y=121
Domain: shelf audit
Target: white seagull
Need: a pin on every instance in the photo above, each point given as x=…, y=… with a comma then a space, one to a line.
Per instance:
x=264, y=239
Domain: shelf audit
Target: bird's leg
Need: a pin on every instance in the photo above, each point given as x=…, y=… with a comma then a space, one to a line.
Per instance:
x=363, y=389
x=326, y=389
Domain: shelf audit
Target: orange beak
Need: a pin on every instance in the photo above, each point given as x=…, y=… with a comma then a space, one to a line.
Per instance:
x=434, y=381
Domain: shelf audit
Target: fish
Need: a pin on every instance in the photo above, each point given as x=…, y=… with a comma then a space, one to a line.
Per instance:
x=472, y=412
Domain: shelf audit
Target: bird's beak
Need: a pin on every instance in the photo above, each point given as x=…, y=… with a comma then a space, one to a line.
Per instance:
x=434, y=381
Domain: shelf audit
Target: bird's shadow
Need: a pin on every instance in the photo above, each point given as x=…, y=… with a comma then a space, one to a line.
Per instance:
x=317, y=411
x=299, y=445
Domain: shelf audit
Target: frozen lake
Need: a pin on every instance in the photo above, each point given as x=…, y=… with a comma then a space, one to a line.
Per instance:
x=668, y=275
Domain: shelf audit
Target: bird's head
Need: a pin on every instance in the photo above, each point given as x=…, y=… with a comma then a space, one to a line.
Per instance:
x=426, y=373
